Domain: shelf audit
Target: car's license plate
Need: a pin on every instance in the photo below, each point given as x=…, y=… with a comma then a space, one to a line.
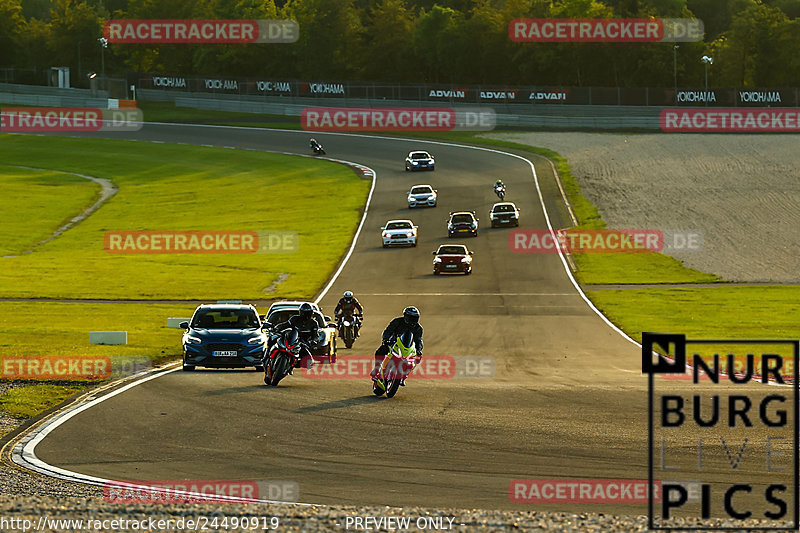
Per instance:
x=224, y=353
x=463, y=230
x=451, y=266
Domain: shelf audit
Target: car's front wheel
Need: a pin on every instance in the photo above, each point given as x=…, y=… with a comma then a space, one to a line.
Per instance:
x=188, y=368
x=259, y=368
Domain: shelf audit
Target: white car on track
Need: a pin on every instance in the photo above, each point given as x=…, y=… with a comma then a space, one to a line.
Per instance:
x=397, y=232
x=419, y=160
x=504, y=214
x=422, y=195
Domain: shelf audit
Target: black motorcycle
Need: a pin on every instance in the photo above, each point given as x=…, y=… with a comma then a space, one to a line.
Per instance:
x=317, y=148
x=348, y=328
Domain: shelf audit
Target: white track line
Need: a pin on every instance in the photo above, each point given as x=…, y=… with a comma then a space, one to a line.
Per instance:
x=24, y=450
x=467, y=294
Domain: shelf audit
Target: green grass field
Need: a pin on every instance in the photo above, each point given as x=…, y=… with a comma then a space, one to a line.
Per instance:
x=172, y=187
x=34, y=203
x=161, y=187
x=67, y=327
x=29, y=401
x=705, y=312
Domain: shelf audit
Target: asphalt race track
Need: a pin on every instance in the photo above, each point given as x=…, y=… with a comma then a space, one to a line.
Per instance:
x=567, y=398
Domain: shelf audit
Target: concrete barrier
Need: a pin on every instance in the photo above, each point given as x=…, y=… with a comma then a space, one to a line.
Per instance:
x=108, y=337
x=175, y=322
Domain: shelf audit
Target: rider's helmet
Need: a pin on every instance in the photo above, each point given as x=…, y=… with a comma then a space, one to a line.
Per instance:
x=411, y=315
x=498, y=182
x=348, y=295
x=306, y=311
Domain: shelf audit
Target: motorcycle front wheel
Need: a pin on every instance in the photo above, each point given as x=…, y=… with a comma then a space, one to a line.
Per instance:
x=279, y=370
x=391, y=387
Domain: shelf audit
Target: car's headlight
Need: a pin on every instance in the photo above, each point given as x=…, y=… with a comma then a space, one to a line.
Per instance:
x=193, y=340
x=415, y=162
x=387, y=234
x=437, y=260
x=410, y=234
x=465, y=259
x=256, y=340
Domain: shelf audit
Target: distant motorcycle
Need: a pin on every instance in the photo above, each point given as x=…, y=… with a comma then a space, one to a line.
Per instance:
x=348, y=328
x=402, y=361
x=317, y=148
x=281, y=357
x=500, y=191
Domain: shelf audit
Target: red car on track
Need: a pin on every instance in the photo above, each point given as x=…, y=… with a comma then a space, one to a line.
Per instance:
x=452, y=258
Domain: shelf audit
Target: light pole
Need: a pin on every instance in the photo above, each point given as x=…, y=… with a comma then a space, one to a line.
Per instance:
x=675, y=68
x=103, y=45
x=708, y=61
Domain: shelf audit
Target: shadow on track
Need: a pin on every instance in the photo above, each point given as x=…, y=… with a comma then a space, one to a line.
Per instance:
x=338, y=404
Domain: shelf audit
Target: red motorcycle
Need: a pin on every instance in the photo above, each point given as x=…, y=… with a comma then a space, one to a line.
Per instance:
x=282, y=357
x=402, y=361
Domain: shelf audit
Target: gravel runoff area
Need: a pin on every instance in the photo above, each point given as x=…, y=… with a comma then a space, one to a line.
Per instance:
x=741, y=191
x=13, y=510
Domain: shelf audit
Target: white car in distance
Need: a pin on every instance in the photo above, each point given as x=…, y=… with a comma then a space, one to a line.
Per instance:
x=419, y=160
x=422, y=195
x=399, y=232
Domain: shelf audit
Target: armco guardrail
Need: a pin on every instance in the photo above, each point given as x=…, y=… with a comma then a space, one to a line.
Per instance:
x=39, y=95
x=545, y=116
x=290, y=90
x=50, y=91
x=51, y=101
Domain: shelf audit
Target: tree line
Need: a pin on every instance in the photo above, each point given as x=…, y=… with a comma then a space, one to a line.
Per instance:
x=754, y=43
